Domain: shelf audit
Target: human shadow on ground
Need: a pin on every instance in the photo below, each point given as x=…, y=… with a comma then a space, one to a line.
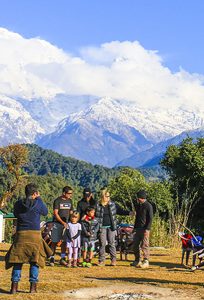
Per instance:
x=2, y=258
x=152, y=281
x=2, y=291
x=168, y=265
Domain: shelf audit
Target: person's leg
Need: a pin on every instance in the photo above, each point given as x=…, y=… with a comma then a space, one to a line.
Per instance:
x=145, y=248
x=52, y=258
x=63, y=250
x=136, y=248
x=75, y=256
x=111, y=234
x=102, y=241
x=15, y=278
x=33, y=277
x=70, y=254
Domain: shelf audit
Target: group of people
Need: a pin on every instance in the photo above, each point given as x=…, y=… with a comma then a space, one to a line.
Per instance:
x=76, y=230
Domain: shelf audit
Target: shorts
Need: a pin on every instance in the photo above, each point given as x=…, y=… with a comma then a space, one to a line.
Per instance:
x=88, y=245
x=57, y=234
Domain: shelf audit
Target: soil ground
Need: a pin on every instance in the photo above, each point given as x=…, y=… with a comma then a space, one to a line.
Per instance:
x=165, y=279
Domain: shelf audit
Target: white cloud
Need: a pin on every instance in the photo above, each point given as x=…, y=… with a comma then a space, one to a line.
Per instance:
x=33, y=68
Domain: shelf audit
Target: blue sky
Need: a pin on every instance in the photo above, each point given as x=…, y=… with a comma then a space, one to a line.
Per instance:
x=173, y=27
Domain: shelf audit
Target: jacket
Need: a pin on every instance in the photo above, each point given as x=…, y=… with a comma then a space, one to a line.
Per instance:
x=114, y=210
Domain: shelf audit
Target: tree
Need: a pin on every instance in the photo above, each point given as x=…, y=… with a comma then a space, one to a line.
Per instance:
x=185, y=165
x=13, y=158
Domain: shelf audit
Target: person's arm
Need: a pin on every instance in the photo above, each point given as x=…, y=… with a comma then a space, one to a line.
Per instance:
x=121, y=211
x=42, y=207
x=56, y=207
x=79, y=208
x=149, y=217
x=85, y=231
x=67, y=232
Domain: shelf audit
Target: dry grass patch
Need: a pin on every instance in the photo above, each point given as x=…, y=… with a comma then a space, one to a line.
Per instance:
x=165, y=271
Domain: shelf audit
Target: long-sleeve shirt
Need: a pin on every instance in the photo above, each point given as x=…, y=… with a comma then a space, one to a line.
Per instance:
x=28, y=213
x=144, y=215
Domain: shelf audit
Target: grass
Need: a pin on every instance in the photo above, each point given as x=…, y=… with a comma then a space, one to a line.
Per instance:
x=165, y=271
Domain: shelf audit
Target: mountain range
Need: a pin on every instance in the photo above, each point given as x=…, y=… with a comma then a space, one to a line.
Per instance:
x=75, y=106
x=97, y=130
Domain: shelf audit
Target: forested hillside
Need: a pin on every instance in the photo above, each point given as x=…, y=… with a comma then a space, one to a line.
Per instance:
x=42, y=162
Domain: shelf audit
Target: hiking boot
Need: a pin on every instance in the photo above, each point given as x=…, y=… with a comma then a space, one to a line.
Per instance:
x=63, y=262
x=52, y=262
x=14, y=287
x=136, y=263
x=144, y=264
x=101, y=264
x=88, y=265
x=113, y=263
x=33, y=287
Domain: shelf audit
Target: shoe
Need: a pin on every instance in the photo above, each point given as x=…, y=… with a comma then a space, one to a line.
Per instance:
x=14, y=287
x=63, y=262
x=113, y=263
x=69, y=264
x=101, y=264
x=84, y=264
x=52, y=262
x=193, y=268
x=136, y=263
x=33, y=287
x=144, y=264
x=88, y=265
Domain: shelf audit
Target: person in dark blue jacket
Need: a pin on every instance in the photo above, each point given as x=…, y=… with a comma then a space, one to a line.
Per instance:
x=28, y=246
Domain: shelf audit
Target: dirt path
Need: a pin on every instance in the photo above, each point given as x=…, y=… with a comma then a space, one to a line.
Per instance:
x=120, y=291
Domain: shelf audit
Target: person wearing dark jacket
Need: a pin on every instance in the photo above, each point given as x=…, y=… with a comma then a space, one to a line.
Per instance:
x=28, y=246
x=90, y=228
x=106, y=212
x=86, y=202
x=143, y=222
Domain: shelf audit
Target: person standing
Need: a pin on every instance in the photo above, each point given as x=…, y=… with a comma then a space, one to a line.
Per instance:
x=62, y=208
x=90, y=227
x=86, y=202
x=106, y=212
x=28, y=245
x=143, y=222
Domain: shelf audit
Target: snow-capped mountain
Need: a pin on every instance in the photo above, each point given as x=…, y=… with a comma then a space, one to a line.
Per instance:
x=109, y=131
x=102, y=134
x=153, y=155
x=67, y=103
x=16, y=124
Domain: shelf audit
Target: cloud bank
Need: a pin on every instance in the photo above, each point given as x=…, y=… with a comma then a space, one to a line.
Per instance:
x=34, y=68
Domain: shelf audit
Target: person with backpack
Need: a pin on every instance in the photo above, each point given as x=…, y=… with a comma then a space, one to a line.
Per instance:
x=142, y=226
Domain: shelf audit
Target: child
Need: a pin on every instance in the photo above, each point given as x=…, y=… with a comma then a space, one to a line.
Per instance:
x=90, y=227
x=73, y=233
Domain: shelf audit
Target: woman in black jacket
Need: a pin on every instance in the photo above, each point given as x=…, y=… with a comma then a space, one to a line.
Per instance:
x=106, y=211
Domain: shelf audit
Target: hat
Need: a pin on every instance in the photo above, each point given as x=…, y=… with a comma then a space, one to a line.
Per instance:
x=142, y=194
x=87, y=191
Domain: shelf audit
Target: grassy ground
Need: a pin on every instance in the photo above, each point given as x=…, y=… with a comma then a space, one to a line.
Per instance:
x=165, y=271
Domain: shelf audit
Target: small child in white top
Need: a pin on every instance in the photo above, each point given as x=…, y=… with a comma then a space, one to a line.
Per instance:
x=73, y=233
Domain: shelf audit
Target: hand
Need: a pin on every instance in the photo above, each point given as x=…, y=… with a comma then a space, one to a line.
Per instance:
x=131, y=213
x=66, y=225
